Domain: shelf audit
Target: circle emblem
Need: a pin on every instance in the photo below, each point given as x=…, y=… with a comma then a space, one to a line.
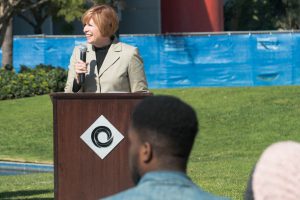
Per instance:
x=97, y=131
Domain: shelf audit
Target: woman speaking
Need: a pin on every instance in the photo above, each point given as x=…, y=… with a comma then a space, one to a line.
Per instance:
x=111, y=66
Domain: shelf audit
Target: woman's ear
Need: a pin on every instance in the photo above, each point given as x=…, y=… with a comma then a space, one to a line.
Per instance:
x=146, y=152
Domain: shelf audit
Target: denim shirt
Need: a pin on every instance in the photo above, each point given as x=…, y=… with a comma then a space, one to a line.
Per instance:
x=164, y=185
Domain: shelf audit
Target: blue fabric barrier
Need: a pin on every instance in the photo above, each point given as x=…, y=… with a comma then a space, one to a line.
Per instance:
x=248, y=59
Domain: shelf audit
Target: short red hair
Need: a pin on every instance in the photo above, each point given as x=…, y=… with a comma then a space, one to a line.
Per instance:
x=105, y=18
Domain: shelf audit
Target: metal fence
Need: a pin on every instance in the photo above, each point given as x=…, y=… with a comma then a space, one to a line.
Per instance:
x=189, y=60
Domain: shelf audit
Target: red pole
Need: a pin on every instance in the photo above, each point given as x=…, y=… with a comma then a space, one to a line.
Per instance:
x=215, y=13
x=191, y=15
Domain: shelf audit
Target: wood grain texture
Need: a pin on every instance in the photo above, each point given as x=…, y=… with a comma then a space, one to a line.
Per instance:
x=78, y=172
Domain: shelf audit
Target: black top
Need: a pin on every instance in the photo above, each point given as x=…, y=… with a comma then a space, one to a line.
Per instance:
x=100, y=56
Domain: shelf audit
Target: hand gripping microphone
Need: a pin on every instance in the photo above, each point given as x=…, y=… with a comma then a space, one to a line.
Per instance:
x=83, y=50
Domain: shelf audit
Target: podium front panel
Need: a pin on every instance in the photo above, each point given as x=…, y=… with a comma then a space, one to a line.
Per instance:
x=79, y=172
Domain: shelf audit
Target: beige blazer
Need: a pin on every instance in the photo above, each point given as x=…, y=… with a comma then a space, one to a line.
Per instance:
x=122, y=70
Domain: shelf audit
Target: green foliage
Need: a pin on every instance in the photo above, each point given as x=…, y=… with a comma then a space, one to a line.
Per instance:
x=69, y=9
x=74, y=9
x=244, y=15
x=29, y=82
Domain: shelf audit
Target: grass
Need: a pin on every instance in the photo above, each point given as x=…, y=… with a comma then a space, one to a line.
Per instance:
x=236, y=125
x=33, y=186
x=26, y=129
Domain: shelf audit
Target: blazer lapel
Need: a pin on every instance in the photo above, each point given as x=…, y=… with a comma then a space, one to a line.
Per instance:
x=112, y=56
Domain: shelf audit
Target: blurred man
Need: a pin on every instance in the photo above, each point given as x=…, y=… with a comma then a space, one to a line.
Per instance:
x=161, y=136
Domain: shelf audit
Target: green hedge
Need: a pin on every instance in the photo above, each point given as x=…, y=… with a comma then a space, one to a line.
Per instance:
x=43, y=79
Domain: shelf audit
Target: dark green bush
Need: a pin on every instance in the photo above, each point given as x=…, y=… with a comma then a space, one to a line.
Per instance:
x=43, y=79
x=24, y=68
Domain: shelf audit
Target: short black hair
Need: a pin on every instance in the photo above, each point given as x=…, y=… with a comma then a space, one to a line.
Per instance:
x=166, y=122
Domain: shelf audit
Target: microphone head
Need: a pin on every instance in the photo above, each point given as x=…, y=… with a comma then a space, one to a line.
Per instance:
x=83, y=48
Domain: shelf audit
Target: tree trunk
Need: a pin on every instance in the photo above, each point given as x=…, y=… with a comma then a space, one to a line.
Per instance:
x=3, y=23
x=7, y=46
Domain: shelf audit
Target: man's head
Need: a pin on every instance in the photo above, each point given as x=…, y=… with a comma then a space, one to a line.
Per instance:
x=161, y=134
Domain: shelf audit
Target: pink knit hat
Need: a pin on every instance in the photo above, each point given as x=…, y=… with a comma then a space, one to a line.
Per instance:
x=277, y=173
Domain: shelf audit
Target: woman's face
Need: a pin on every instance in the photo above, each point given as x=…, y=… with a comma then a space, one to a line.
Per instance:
x=92, y=34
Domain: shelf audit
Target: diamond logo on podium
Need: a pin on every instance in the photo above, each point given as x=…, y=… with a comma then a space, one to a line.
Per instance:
x=102, y=137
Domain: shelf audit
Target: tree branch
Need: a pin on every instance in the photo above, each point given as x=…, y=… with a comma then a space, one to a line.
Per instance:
x=26, y=19
x=32, y=5
x=8, y=10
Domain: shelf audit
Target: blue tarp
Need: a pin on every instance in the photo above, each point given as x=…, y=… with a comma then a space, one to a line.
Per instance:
x=248, y=59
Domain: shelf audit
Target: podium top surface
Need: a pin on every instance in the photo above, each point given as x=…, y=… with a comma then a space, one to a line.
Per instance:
x=62, y=95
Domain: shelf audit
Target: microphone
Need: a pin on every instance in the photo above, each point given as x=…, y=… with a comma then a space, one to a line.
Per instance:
x=83, y=50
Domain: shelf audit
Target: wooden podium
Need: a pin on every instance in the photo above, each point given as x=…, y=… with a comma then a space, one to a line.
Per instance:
x=79, y=173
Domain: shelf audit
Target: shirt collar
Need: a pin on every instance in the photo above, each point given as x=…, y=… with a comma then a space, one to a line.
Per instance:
x=164, y=175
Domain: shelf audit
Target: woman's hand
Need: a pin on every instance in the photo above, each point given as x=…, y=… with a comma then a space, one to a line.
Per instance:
x=80, y=68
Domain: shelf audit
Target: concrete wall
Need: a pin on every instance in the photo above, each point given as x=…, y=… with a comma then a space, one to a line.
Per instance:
x=21, y=27
x=140, y=16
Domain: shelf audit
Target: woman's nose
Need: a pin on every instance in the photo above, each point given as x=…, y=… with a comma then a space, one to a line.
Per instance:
x=85, y=29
